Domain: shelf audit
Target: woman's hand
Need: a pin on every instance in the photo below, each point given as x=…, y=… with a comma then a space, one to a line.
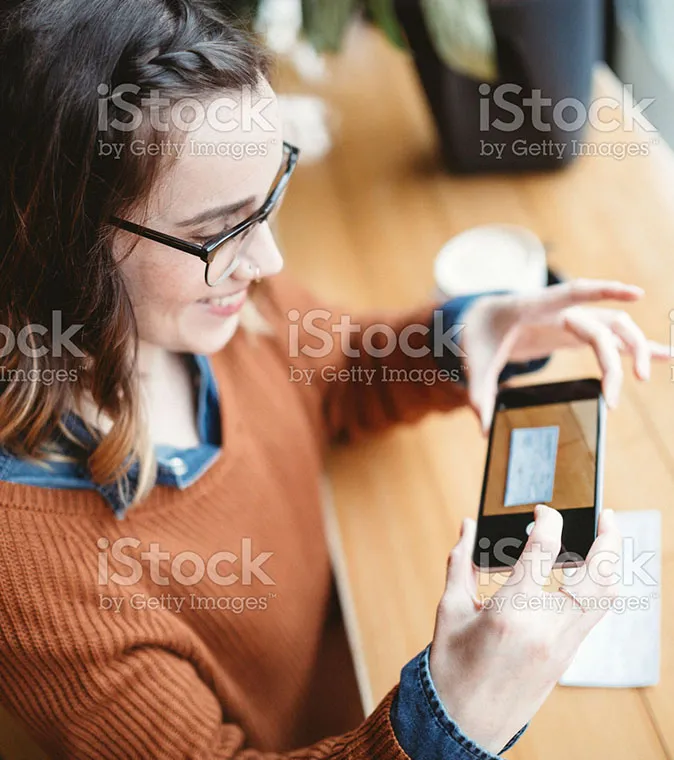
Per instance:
x=493, y=668
x=522, y=327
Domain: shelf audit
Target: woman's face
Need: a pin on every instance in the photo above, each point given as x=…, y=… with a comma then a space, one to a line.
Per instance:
x=174, y=307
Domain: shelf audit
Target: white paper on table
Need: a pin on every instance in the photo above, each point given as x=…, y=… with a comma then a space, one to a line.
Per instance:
x=623, y=650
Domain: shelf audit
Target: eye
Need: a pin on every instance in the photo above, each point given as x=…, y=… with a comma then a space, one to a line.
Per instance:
x=230, y=222
x=201, y=239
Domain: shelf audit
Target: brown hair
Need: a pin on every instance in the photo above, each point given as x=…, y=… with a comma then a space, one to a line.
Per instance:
x=59, y=188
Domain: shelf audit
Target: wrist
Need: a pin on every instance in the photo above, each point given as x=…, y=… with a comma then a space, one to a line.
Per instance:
x=456, y=704
x=422, y=725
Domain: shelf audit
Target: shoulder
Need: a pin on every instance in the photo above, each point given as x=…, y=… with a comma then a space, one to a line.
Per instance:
x=283, y=293
x=31, y=496
x=279, y=306
x=48, y=563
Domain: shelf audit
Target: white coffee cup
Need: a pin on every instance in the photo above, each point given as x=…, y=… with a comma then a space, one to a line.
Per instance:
x=491, y=257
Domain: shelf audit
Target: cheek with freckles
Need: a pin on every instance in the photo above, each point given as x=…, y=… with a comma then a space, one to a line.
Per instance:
x=165, y=293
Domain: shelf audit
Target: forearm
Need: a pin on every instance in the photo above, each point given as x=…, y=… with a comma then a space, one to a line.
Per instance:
x=424, y=728
x=153, y=703
x=364, y=373
x=361, y=372
x=392, y=377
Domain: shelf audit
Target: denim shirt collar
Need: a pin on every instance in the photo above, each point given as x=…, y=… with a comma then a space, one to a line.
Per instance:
x=176, y=468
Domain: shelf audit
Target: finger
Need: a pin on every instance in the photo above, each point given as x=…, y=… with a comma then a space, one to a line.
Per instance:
x=635, y=342
x=582, y=291
x=456, y=560
x=461, y=588
x=603, y=341
x=660, y=350
x=485, y=362
x=482, y=390
x=534, y=566
x=599, y=578
x=482, y=400
x=604, y=556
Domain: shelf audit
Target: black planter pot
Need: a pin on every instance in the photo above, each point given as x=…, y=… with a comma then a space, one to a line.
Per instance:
x=549, y=46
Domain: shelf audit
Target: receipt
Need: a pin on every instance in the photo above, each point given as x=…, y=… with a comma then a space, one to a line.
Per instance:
x=623, y=650
x=531, y=465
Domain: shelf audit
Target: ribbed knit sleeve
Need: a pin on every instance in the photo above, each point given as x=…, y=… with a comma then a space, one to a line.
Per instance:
x=94, y=684
x=151, y=703
x=365, y=371
x=232, y=675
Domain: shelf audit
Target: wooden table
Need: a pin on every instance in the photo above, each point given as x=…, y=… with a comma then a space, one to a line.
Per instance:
x=362, y=227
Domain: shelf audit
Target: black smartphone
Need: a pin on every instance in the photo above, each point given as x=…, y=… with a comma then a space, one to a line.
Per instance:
x=546, y=446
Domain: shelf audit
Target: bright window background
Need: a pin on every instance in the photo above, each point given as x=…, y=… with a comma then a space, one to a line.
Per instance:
x=644, y=56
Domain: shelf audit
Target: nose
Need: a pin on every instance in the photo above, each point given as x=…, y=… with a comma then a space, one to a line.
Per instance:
x=262, y=257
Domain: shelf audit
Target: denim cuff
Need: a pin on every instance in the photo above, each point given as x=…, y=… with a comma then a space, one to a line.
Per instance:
x=521, y=368
x=421, y=724
x=453, y=314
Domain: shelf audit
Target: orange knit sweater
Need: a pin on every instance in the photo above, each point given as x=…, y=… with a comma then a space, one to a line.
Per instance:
x=100, y=665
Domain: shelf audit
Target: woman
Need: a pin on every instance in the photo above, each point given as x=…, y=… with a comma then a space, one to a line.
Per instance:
x=165, y=587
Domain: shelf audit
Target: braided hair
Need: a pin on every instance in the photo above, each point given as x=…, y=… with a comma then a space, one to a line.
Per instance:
x=63, y=62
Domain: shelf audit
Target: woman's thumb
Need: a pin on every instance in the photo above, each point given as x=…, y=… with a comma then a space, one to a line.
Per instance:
x=461, y=588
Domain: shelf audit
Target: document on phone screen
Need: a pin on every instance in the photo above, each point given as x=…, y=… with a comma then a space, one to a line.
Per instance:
x=531, y=465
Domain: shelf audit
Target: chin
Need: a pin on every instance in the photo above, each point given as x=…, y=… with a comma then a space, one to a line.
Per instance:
x=209, y=340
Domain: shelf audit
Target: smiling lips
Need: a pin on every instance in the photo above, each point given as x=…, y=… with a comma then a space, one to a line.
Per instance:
x=225, y=306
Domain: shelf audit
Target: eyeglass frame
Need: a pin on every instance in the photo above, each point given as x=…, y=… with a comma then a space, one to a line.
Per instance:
x=204, y=250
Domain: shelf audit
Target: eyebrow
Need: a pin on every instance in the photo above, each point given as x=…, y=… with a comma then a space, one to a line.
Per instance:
x=216, y=213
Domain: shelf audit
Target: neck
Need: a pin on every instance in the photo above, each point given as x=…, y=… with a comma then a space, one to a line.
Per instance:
x=167, y=394
x=154, y=365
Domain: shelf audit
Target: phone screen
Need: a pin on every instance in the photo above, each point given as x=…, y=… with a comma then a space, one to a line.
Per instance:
x=541, y=451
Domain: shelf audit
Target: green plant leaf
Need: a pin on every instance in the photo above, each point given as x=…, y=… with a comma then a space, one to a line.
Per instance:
x=384, y=16
x=462, y=34
x=325, y=22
